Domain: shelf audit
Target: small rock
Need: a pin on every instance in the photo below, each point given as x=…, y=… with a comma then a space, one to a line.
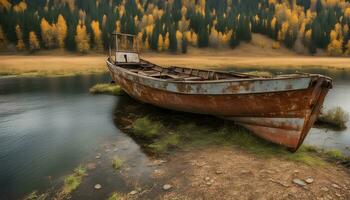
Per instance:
x=116, y=149
x=266, y=171
x=335, y=186
x=209, y=183
x=91, y=166
x=167, y=187
x=98, y=186
x=133, y=192
x=296, y=171
x=337, y=194
x=309, y=180
x=107, y=150
x=218, y=171
x=98, y=156
x=299, y=182
x=207, y=178
x=245, y=171
x=325, y=189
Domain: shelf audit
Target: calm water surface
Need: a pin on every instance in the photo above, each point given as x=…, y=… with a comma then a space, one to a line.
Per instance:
x=48, y=126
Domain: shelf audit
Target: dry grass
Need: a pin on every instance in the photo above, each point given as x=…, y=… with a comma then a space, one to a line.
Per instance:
x=50, y=65
x=258, y=53
x=100, y=88
x=335, y=118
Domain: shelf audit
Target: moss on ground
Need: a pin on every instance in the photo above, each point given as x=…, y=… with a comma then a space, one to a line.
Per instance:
x=115, y=196
x=72, y=182
x=162, y=137
x=103, y=88
x=334, y=118
x=117, y=163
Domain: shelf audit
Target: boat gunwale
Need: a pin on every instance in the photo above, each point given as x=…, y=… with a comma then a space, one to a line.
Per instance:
x=223, y=80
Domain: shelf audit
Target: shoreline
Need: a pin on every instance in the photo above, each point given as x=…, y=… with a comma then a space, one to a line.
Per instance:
x=70, y=65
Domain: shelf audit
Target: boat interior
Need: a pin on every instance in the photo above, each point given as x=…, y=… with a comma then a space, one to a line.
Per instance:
x=175, y=73
x=126, y=54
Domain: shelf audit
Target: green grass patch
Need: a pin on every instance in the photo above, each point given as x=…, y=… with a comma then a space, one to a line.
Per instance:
x=115, y=196
x=335, y=118
x=104, y=88
x=35, y=196
x=117, y=163
x=72, y=182
x=158, y=136
x=146, y=128
x=164, y=143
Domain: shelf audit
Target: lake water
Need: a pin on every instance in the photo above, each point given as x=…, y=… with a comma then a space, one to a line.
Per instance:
x=48, y=126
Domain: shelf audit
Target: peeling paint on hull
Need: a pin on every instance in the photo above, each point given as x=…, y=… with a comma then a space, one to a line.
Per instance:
x=280, y=110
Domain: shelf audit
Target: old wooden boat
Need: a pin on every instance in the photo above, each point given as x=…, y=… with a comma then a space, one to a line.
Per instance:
x=281, y=109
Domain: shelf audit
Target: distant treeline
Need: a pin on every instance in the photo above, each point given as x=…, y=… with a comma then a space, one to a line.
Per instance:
x=85, y=25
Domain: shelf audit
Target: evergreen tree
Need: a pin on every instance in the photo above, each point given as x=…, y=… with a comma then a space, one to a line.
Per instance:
x=172, y=40
x=234, y=42
x=184, y=46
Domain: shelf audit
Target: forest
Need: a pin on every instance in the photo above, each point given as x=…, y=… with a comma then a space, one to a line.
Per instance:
x=304, y=26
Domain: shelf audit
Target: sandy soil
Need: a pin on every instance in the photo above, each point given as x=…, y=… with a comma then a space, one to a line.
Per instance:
x=225, y=173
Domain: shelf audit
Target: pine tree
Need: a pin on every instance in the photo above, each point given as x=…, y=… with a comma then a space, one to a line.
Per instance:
x=184, y=46
x=3, y=42
x=203, y=35
x=33, y=41
x=234, y=42
x=172, y=40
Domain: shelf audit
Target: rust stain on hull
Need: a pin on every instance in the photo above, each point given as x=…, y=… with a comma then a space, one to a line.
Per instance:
x=280, y=114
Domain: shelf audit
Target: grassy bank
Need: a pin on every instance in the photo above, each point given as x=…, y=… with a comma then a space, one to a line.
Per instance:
x=64, y=64
x=160, y=131
x=105, y=88
x=335, y=118
x=159, y=138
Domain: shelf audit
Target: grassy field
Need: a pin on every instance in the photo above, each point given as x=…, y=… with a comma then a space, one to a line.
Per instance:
x=63, y=65
x=257, y=53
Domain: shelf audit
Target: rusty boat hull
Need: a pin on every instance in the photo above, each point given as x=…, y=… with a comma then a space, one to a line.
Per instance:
x=281, y=109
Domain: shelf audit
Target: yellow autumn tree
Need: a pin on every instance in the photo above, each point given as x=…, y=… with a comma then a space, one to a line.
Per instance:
x=82, y=38
x=20, y=7
x=214, y=37
x=61, y=31
x=95, y=26
x=5, y=5
x=48, y=33
x=194, y=39
x=347, y=51
x=166, y=41
x=20, y=44
x=147, y=43
x=335, y=46
x=160, y=42
x=33, y=41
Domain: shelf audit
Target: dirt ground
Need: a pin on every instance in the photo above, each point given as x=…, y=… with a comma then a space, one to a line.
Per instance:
x=226, y=173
